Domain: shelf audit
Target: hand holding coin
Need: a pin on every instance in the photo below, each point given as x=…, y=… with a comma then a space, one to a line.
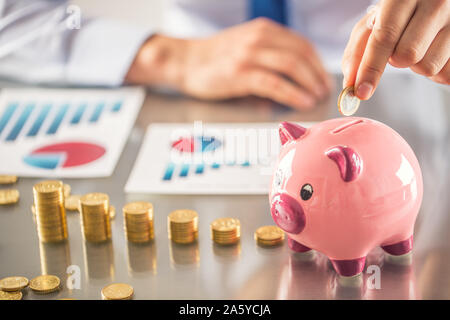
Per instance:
x=348, y=103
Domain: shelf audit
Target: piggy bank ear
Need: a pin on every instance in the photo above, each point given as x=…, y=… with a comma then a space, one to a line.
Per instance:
x=290, y=131
x=348, y=161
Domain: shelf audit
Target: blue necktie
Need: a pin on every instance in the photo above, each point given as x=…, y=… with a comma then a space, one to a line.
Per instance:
x=272, y=9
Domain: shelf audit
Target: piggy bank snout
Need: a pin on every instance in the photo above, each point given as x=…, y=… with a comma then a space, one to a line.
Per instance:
x=287, y=213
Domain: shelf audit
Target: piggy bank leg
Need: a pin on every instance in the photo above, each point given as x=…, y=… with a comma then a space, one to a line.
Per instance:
x=297, y=246
x=399, y=248
x=349, y=268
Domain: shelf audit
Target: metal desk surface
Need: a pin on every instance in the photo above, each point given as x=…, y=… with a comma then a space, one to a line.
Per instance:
x=416, y=108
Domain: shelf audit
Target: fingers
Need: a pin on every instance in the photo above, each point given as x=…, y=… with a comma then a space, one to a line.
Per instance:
x=304, y=49
x=273, y=86
x=418, y=35
x=264, y=33
x=392, y=19
x=443, y=76
x=436, y=56
x=295, y=67
x=354, y=51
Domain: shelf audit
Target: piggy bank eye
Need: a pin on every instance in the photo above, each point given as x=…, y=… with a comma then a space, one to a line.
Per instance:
x=306, y=191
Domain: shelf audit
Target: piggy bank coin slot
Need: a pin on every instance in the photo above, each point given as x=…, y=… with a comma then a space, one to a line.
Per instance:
x=346, y=126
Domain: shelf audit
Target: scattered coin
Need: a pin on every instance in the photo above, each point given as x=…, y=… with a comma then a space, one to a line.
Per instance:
x=17, y=295
x=67, y=190
x=13, y=283
x=8, y=179
x=45, y=284
x=269, y=236
x=182, y=226
x=117, y=291
x=226, y=230
x=9, y=196
x=72, y=202
x=348, y=103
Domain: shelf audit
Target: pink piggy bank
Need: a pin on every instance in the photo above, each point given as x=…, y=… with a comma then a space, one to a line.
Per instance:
x=345, y=186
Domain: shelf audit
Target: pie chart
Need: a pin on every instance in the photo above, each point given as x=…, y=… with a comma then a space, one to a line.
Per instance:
x=64, y=155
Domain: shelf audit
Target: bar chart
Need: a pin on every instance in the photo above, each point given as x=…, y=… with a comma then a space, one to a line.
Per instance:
x=29, y=119
x=184, y=168
x=75, y=133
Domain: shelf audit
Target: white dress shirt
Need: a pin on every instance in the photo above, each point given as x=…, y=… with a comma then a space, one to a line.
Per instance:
x=37, y=46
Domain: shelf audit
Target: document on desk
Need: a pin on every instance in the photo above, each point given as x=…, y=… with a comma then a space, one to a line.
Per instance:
x=199, y=158
x=65, y=133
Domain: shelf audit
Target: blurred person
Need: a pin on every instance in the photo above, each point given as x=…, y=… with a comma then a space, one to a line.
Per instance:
x=215, y=49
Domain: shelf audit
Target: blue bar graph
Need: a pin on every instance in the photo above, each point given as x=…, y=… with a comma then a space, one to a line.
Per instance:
x=117, y=106
x=215, y=165
x=169, y=171
x=39, y=120
x=10, y=109
x=15, y=131
x=200, y=168
x=184, y=170
x=97, y=112
x=58, y=119
x=78, y=114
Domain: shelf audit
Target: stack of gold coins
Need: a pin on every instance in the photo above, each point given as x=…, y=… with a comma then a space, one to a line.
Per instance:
x=225, y=231
x=9, y=196
x=138, y=221
x=50, y=213
x=94, y=215
x=8, y=179
x=182, y=226
x=269, y=236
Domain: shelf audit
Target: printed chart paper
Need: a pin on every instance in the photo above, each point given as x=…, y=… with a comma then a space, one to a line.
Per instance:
x=66, y=133
x=206, y=159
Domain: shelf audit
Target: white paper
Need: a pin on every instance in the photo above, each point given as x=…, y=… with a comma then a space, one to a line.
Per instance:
x=240, y=163
x=76, y=133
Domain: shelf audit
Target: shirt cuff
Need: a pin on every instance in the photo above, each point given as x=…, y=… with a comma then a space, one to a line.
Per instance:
x=102, y=52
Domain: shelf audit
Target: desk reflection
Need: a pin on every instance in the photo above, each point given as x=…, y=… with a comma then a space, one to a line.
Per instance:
x=184, y=254
x=99, y=260
x=141, y=258
x=55, y=258
x=226, y=253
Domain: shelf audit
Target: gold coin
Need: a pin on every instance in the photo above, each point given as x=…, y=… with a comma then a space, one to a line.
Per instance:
x=269, y=235
x=348, y=103
x=94, y=199
x=45, y=284
x=226, y=231
x=17, y=295
x=139, y=207
x=182, y=216
x=71, y=202
x=13, y=283
x=117, y=291
x=8, y=179
x=48, y=186
x=112, y=212
x=225, y=224
x=67, y=189
x=9, y=196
